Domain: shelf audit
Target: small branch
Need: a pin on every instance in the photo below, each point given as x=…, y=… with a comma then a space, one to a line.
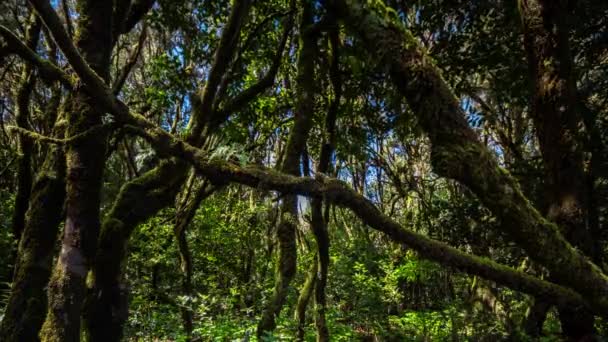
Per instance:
x=138, y=9
x=8, y=165
x=250, y=93
x=65, y=7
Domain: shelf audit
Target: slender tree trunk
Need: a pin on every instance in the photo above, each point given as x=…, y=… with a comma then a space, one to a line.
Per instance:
x=180, y=229
x=535, y=318
x=288, y=219
x=83, y=181
x=319, y=222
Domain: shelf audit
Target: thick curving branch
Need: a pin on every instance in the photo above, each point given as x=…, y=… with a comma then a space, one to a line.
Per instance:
x=337, y=192
x=457, y=152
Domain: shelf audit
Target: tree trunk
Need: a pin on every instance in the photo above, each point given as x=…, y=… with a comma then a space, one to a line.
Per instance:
x=319, y=222
x=187, y=212
x=107, y=304
x=106, y=308
x=27, y=303
x=83, y=181
x=304, y=298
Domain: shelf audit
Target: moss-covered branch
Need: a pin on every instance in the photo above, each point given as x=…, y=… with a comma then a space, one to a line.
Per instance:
x=339, y=193
x=48, y=71
x=457, y=152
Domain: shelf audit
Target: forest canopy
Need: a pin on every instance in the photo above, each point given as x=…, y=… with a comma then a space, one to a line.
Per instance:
x=334, y=170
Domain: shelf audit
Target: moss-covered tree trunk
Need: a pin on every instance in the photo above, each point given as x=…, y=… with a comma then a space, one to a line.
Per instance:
x=558, y=126
x=291, y=163
x=84, y=172
x=106, y=305
x=26, y=308
x=457, y=152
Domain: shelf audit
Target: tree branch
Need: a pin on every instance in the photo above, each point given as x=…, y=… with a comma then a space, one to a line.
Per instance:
x=87, y=75
x=138, y=9
x=237, y=102
x=126, y=70
x=48, y=71
x=221, y=61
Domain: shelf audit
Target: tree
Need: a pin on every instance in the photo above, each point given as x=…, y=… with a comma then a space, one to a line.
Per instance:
x=399, y=100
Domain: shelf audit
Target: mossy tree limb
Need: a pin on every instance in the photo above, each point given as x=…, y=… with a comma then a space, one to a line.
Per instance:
x=338, y=193
x=457, y=152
